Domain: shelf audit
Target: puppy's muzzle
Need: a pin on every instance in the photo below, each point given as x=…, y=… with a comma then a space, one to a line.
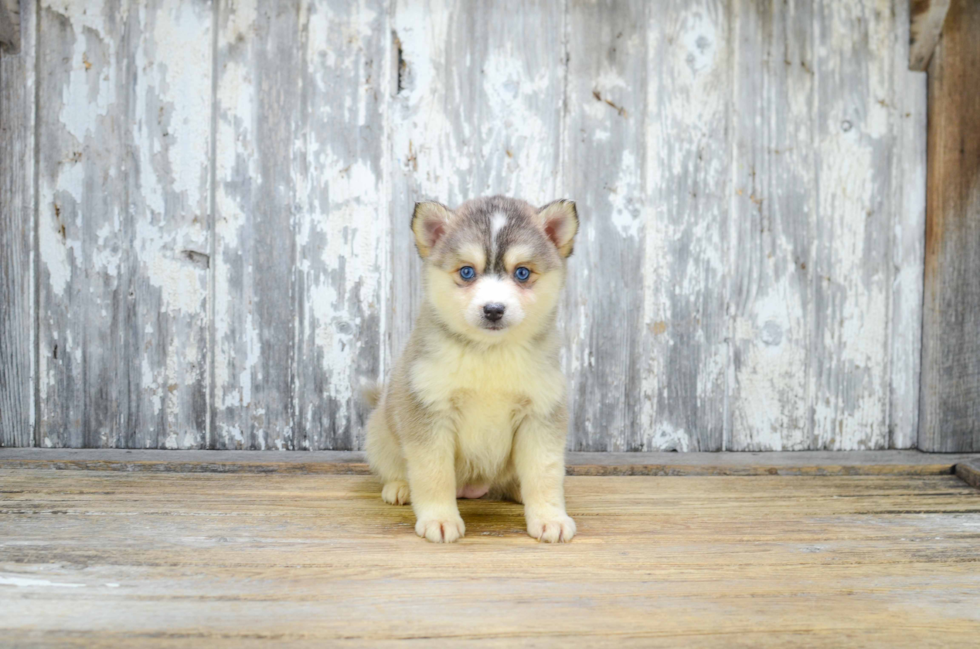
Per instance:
x=493, y=311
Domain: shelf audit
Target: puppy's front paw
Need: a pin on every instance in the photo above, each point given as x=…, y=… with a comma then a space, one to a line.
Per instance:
x=441, y=529
x=551, y=528
x=395, y=492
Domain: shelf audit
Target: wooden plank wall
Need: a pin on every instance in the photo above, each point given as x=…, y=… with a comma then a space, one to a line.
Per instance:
x=225, y=189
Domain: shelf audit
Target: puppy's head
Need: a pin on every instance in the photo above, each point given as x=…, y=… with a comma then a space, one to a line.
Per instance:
x=494, y=267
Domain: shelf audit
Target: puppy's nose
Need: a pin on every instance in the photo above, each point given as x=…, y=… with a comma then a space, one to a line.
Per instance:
x=493, y=311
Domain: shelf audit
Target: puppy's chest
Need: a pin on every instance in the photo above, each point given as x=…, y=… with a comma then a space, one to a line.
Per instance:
x=494, y=388
x=485, y=427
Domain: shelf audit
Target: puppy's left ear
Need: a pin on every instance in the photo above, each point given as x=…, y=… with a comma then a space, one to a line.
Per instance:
x=560, y=221
x=429, y=222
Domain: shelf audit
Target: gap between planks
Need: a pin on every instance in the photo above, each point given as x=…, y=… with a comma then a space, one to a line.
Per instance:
x=809, y=463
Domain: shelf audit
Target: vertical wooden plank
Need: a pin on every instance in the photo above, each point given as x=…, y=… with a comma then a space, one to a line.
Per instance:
x=341, y=225
x=687, y=185
x=300, y=233
x=772, y=213
x=950, y=402
x=17, y=307
x=123, y=212
x=254, y=291
x=908, y=237
x=851, y=277
x=604, y=170
x=476, y=111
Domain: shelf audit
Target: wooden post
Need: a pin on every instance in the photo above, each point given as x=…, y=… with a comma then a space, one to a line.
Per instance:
x=949, y=418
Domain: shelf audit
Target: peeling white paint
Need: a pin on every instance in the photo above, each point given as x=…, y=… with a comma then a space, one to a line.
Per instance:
x=485, y=114
x=626, y=198
x=124, y=190
x=54, y=255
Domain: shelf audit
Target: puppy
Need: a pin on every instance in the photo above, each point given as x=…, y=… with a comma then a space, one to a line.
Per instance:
x=476, y=403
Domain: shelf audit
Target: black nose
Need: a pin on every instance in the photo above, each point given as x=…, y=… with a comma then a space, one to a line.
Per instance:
x=493, y=311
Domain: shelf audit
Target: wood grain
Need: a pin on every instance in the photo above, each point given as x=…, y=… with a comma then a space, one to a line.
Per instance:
x=17, y=241
x=300, y=234
x=950, y=405
x=687, y=180
x=604, y=171
x=123, y=223
x=773, y=213
x=850, y=274
x=257, y=101
x=158, y=560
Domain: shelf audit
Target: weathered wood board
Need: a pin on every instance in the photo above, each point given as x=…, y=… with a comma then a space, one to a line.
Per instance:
x=773, y=210
x=950, y=405
x=300, y=232
x=685, y=362
x=607, y=95
x=828, y=162
x=123, y=191
x=602, y=463
x=224, y=253
x=17, y=242
x=849, y=266
x=141, y=559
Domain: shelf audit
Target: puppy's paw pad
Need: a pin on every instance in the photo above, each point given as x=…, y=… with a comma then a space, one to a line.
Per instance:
x=444, y=530
x=395, y=492
x=553, y=529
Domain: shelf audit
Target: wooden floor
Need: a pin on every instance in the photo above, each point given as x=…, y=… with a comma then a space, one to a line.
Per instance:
x=113, y=558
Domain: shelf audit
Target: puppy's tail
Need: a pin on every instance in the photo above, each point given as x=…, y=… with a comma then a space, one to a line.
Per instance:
x=371, y=393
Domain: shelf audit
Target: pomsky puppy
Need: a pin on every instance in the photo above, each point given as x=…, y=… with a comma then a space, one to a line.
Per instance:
x=476, y=403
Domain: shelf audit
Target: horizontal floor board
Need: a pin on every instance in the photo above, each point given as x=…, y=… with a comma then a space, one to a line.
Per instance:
x=344, y=462
x=100, y=558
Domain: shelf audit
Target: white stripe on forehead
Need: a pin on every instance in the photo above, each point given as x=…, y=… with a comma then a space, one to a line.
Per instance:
x=497, y=223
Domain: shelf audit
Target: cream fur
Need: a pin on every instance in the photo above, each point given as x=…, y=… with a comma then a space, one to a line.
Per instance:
x=468, y=409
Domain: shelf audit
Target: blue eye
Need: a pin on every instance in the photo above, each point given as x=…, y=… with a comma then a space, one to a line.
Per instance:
x=521, y=274
x=467, y=273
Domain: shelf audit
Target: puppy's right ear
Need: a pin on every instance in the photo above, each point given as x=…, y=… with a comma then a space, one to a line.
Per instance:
x=429, y=222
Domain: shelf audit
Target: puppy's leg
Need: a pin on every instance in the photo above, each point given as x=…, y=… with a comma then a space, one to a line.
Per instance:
x=386, y=460
x=539, y=459
x=431, y=460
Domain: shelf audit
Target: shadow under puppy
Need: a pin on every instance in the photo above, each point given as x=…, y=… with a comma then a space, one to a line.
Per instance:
x=476, y=403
